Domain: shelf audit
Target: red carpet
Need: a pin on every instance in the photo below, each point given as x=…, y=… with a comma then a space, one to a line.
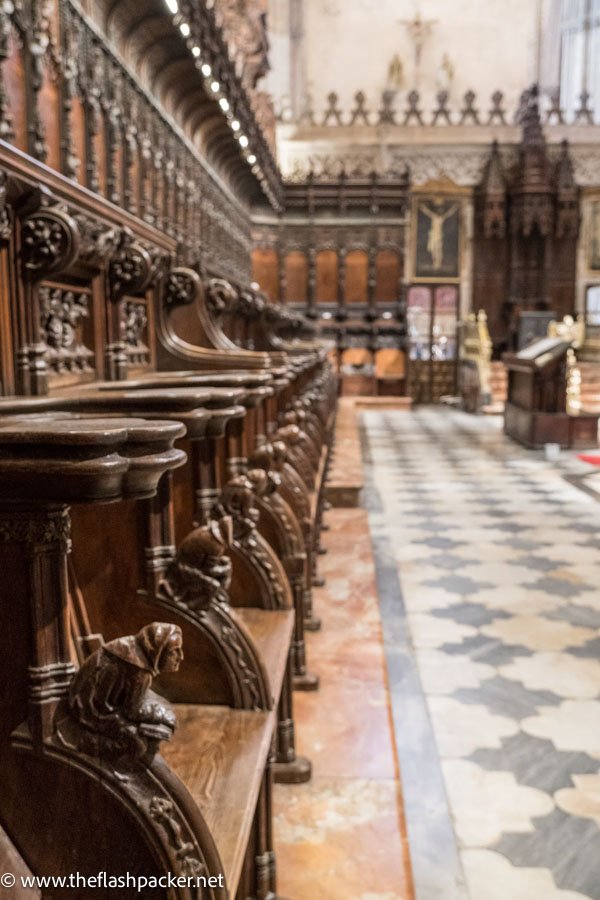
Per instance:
x=592, y=458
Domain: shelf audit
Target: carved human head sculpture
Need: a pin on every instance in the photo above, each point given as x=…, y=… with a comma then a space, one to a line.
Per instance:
x=110, y=711
x=237, y=499
x=263, y=459
x=290, y=435
x=279, y=455
x=200, y=572
x=260, y=481
x=156, y=648
x=290, y=417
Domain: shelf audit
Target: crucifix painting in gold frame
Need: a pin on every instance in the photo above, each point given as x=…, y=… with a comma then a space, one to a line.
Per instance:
x=436, y=238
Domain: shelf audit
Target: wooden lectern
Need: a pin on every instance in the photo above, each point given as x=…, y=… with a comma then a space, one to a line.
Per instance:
x=536, y=408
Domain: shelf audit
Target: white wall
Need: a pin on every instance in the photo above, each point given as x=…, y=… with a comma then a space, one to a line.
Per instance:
x=348, y=45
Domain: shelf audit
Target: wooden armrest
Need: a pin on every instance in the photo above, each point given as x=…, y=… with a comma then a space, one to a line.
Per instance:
x=220, y=754
x=271, y=631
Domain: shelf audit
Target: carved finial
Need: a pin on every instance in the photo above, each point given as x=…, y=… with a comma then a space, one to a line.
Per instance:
x=307, y=113
x=497, y=113
x=554, y=116
x=359, y=113
x=468, y=113
x=387, y=116
x=567, y=196
x=529, y=117
x=110, y=711
x=332, y=111
x=413, y=111
x=441, y=111
x=584, y=114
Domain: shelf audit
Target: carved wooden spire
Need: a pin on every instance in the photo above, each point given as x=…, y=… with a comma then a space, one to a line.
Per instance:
x=567, y=196
x=532, y=186
x=493, y=196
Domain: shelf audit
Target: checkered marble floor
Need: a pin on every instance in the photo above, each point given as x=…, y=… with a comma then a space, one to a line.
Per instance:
x=498, y=558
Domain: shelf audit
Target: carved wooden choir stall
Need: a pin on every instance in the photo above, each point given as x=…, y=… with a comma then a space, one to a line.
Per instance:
x=165, y=434
x=525, y=242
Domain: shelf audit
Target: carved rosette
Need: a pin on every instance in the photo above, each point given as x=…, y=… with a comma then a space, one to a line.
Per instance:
x=131, y=268
x=181, y=287
x=50, y=242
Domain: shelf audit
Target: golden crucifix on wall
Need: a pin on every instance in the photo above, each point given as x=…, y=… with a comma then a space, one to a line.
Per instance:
x=419, y=30
x=437, y=238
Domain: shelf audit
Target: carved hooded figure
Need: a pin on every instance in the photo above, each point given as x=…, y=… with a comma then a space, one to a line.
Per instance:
x=263, y=459
x=237, y=500
x=110, y=698
x=201, y=572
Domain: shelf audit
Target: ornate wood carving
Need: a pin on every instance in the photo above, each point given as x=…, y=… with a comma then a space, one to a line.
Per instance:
x=131, y=268
x=221, y=298
x=135, y=323
x=200, y=573
x=5, y=223
x=238, y=501
x=70, y=62
x=567, y=197
x=40, y=531
x=197, y=581
x=50, y=242
x=531, y=217
x=38, y=45
x=493, y=196
x=181, y=287
x=6, y=10
x=61, y=315
x=110, y=711
x=163, y=811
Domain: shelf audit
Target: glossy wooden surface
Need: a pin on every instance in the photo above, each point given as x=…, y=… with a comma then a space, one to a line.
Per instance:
x=271, y=631
x=220, y=755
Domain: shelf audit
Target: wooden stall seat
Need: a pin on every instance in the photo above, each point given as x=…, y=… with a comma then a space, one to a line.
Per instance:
x=390, y=372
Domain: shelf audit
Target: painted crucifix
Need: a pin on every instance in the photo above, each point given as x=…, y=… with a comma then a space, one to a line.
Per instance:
x=435, y=239
x=419, y=30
